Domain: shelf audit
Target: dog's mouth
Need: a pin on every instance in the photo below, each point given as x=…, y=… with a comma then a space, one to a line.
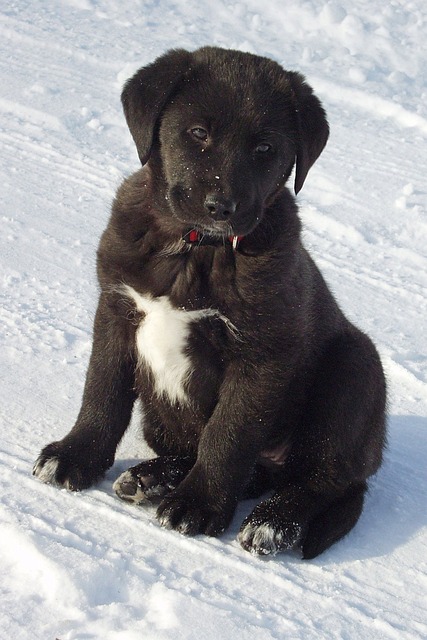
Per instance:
x=215, y=230
x=195, y=218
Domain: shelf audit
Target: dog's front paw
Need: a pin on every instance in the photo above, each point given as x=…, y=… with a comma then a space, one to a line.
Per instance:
x=263, y=533
x=151, y=480
x=66, y=465
x=191, y=510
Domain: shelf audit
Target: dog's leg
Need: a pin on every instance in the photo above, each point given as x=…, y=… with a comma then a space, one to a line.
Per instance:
x=204, y=502
x=338, y=446
x=151, y=480
x=299, y=517
x=83, y=456
x=334, y=522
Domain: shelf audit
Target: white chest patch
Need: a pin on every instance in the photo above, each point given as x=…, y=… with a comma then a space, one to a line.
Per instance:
x=161, y=341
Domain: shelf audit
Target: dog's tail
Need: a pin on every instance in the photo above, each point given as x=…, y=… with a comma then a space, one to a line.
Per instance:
x=334, y=522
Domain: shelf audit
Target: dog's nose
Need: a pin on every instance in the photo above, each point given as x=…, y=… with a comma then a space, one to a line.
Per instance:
x=219, y=208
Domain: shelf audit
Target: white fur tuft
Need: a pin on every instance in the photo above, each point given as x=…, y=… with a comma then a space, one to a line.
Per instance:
x=161, y=339
x=265, y=539
x=46, y=472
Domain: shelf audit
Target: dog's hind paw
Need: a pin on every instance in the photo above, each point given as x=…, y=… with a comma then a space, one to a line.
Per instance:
x=128, y=488
x=265, y=538
x=151, y=480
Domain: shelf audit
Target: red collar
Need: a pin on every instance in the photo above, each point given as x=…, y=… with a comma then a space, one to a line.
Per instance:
x=195, y=237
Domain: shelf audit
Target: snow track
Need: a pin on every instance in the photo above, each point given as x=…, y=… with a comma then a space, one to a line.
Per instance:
x=87, y=566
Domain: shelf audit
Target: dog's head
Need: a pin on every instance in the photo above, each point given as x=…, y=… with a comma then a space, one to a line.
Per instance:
x=228, y=128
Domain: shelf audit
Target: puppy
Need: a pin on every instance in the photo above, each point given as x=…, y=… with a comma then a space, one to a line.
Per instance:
x=212, y=312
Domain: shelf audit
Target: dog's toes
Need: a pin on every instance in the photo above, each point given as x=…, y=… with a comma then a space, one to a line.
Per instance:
x=191, y=513
x=190, y=521
x=181, y=515
x=260, y=540
x=63, y=464
x=265, y=538
x=45, y=469
x=141, y=484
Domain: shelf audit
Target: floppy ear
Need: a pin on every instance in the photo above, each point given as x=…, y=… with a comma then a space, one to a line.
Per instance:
x=313, y=129
x=147, y=92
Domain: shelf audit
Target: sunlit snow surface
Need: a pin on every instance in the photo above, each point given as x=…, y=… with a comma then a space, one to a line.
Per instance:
x=86, y=566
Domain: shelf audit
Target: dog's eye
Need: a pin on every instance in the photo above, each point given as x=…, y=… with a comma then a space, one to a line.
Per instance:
x=263, y=147
x=199, y=133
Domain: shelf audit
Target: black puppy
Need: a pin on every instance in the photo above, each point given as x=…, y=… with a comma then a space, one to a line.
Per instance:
x=213, y=313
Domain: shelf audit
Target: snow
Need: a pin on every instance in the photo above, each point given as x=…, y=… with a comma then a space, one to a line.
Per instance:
x=82, y=566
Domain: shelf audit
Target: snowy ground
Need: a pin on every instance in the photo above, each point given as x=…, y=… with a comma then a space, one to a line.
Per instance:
x=86, y=566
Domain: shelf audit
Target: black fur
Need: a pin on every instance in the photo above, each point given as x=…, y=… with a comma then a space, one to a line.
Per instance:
x=286, y=395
